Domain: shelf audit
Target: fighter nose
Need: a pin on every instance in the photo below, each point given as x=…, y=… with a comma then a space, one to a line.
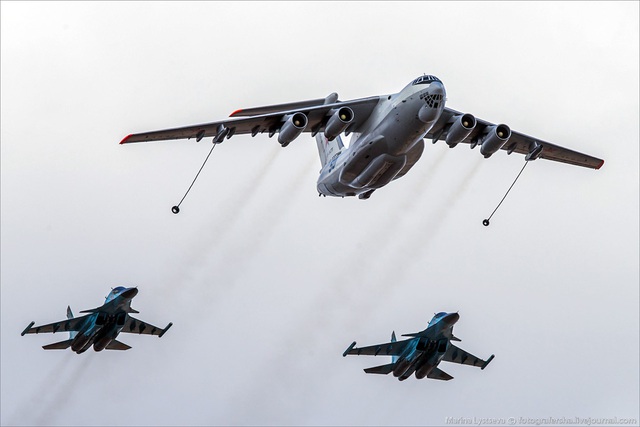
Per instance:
x=452, y=318
x=129, y=293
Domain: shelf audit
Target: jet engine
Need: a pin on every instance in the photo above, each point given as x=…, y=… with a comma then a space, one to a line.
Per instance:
x=495, y=139
x=102, y=343
x=424, y=371
x=79, y=342
x=338, y=122
x=292, y=128
x=460, y=129
x=401, y=367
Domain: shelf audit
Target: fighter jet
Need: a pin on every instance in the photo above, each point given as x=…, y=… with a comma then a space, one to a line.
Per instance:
x=101, y=327
x=421, y=353
x=388, y=135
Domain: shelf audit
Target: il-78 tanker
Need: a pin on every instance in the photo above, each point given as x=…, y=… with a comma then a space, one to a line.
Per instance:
x=101, y=327
x=388, y=134
x=421, y=354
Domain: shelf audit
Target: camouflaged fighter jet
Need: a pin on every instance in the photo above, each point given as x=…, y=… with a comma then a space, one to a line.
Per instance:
x=388, y=135
x=422, y=353
x=101, y=327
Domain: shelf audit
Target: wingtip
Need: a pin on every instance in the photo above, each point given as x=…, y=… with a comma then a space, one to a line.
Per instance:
x=487, y=362
x=27, y=328
x=601, y=164
x=353, y=344
x=235, y=112
x=124, y=141
x=165, y=330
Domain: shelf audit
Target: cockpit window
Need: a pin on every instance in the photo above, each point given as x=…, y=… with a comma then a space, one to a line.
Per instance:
x=423, y=80
x=438, y=316
x=115, y=292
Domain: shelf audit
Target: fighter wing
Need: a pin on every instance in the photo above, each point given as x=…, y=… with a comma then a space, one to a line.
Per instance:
x=66, y=325
x=266, y=119
x=387, y=349
x=518, y=143
x=457, y=355
x=135, y=326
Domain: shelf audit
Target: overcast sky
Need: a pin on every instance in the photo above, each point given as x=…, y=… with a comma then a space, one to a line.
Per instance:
x=265, y=282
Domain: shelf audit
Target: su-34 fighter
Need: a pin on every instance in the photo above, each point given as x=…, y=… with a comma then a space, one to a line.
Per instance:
x=388, y=135
x=101, y=327
x=422, y=353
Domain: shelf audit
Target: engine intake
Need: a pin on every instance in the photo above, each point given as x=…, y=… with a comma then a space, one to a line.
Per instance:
x=292, y=128
x=495, y=139
x=460, y=129
x=338, y=122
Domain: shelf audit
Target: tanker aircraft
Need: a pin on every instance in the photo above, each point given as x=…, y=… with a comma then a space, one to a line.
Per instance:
x=388, y=134
x=101, y=327
x=422, y=353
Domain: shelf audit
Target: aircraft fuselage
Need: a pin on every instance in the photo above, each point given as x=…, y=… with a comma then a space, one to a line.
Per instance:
x=421, y=354
x=390, y=143
x=100, y=327
x=104, y=325
x=421, y=357
x=426, y=351
x=99, y=330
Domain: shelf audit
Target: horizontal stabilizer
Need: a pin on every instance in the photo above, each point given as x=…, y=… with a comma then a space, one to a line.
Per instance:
x=437, y=374
x=117, y=345
x=384, y=369
x=62, y=345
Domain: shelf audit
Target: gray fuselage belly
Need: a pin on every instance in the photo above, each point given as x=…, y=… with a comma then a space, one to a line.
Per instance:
x=387, y=148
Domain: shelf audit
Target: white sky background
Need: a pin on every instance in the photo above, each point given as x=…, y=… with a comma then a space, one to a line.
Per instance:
x=266, y=283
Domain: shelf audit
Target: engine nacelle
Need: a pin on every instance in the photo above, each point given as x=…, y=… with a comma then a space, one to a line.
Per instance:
x=401, y=367
x=338, y=122
x=497, y=137
x=424, y=370
x=79, y=342
x=101, y=343
x=292, y=128
x=460, y=129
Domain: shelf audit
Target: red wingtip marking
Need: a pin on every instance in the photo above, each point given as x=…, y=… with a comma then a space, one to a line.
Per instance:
x=600, y=165
x=125, y=139
x=235, y=112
